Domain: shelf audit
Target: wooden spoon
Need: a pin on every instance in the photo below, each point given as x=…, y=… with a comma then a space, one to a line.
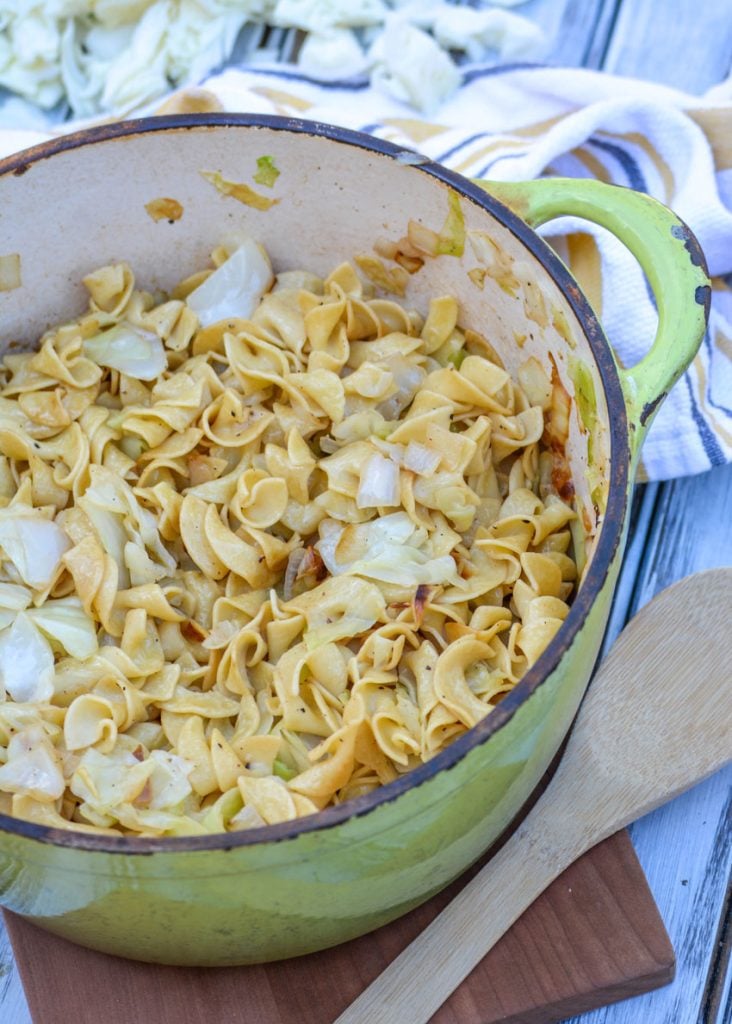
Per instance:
x=656, y=720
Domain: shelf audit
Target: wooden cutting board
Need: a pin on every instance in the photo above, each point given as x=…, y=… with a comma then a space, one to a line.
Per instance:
x=594, y=937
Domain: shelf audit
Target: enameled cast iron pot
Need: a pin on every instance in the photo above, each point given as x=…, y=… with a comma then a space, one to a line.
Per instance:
x=74, y=204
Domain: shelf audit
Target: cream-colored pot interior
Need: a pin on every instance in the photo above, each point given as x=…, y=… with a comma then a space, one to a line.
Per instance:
x=86, y=207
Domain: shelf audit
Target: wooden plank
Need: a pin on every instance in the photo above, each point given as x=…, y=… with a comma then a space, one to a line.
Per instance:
x=578, y=30
x=13, y=1005
x=686, y=847
x=641, y=518
x=685, y=852
x=690, y=528
x=593, y=936
x=685, y=43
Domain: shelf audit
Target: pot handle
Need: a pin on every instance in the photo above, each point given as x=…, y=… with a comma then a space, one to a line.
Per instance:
x=667, y=251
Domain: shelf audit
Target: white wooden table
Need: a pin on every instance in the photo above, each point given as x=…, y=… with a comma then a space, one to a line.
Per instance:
x=679, y=528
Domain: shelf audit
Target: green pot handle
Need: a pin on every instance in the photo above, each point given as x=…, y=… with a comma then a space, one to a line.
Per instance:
x=668, y=253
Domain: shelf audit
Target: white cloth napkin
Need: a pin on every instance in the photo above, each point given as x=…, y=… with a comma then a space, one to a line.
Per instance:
x=519, y=122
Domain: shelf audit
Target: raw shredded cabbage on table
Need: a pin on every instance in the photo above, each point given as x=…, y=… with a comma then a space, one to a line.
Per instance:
x=85, y=57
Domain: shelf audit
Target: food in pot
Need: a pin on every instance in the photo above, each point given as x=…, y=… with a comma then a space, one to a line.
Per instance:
x=267, y=544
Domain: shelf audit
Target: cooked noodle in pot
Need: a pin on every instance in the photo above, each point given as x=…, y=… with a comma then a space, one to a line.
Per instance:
x=267, y=544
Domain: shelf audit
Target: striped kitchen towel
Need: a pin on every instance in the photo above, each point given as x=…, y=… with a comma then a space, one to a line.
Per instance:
x=513, y=123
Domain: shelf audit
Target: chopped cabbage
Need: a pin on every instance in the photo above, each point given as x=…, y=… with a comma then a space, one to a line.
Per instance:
x=480, y=33
x=169, y=784
x=411, y=66
x=320, y=15
x=32, y=766
x=26, y=661
x=65, y=621
x=379, y=484
x=119, y=518
x=235, y=289
x=420, y=459
x=34, y=544
x=131, y=350
x=332, y=54
x=105, y=780
x=106, y=55
x=388, y=550
x=13, y=599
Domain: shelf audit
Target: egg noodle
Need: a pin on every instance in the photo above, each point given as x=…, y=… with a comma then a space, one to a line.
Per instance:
x=267, y=544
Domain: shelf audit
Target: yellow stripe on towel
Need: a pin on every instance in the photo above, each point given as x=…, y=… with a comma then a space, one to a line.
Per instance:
x=715, y=123
x=586, y=265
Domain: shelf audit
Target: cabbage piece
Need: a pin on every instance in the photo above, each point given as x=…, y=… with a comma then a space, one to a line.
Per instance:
x=33, y=544
x=158, y=823
x=379, y=483
x=111, y=533
x=200, y=37
x=408, y=378
x=247, y=817
x=105, y=780
x=169, y=784
x=236, y=288
x=65, y=621
x=267, y=171
x=332, y=54
x=119, y=520
x=14, y=718
x=407, y=566
x=26, y=661
x=388, y=550
x=32, y=767
x=131, y=350
x=500, y=35
x=420, y=459
x=411, y=66
x=319, y=15
x=396, y=528
x=10, y=278
x=219, y=815
x=13, y=599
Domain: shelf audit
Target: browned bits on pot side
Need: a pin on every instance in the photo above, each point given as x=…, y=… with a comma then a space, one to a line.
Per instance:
x=556, y=434
x=401, y=252
x=164, y=208
x=239, y=190
x=10, y=272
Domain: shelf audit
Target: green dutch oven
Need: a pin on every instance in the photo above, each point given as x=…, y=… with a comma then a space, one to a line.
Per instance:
x=78, y=202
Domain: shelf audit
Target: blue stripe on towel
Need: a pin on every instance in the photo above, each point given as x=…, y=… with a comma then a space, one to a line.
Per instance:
x=472, y=74
x=715, y=405
x=626, y=161
x=349, y=84
x=454, y=149
x=497, y=159
x=709, y=442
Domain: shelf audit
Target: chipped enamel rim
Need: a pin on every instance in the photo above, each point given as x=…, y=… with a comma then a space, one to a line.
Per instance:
x=596, y=574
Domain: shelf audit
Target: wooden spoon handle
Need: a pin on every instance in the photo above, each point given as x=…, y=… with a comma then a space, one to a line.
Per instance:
x=416, y=984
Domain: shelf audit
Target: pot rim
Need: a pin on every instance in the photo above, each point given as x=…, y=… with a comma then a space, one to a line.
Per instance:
x=610, y=532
